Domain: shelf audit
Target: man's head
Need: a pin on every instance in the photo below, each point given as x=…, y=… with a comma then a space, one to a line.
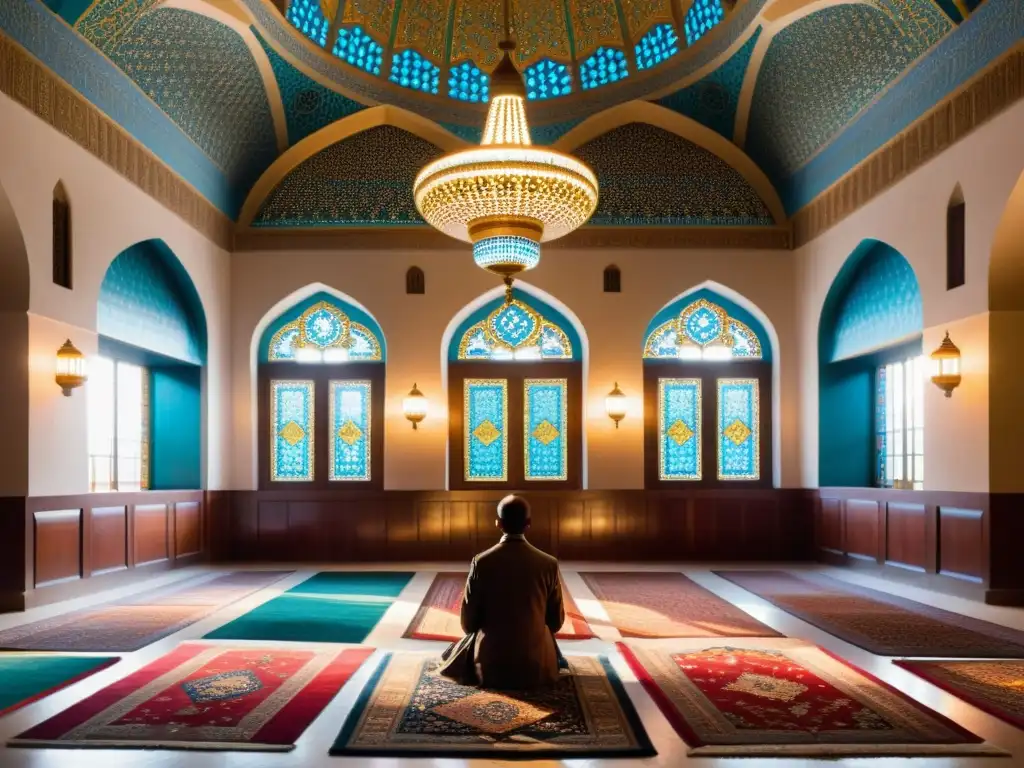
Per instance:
x=513, y=514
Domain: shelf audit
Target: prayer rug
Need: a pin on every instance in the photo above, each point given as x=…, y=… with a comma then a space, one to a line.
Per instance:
x=996, y=687
x=206, y=697
x=884, y=624
x=438, y=614
x=668, y=604
x=137, y=620
x=330, y=607
x=788, y=699
x=407, y=710
x=28, y=677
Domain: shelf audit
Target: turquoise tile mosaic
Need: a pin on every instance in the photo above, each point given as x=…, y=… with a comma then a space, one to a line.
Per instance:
x=651, y=177
x=712, y=100
x=308, y=106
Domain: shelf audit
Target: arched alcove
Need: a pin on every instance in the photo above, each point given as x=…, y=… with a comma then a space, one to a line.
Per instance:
x=956, y=239
x=145, y=386
x=62, y=256
x=871, y=373
x=531, y=381
x=14, y=304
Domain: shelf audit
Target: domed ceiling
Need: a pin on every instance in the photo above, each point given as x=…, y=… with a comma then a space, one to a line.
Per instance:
x=769, y=102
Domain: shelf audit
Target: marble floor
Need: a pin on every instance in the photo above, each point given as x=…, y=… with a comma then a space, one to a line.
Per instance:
x=311, y=749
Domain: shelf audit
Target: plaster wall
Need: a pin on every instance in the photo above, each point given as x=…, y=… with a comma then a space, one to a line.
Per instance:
x=911, y=217
x=108, y=215
x=614, y=325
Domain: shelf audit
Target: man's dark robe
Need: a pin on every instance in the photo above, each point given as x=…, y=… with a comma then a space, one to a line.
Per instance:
x=511, y=610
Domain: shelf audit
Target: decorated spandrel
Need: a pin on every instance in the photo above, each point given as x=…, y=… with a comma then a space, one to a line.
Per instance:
x=679, y=429
x=292, y=421
x=739, y=434
x=485, y=442
x=545, y=429
x=350, y=425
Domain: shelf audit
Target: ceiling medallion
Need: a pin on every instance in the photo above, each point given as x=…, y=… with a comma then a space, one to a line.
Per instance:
x=506, y=196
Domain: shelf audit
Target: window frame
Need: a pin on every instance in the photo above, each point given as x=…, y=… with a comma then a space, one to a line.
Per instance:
x=708, y=372
x=515, y=373
x=146, y=446
x=912, y=421
x=321, y=374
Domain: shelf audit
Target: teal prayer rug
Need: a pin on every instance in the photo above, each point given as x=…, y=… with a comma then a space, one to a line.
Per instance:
x=28, y=677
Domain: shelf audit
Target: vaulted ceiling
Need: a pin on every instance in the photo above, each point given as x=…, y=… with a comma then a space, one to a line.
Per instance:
x=730, y=113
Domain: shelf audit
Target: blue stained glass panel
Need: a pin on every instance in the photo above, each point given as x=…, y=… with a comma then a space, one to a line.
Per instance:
x=606, y=65
x=679, y=429
x=467, y=83
x=350, y=430
x=547, y=79
x=291, y=423
x=515, y=324
x=702, y=18
x=306, y=16
x=359, y=49
x=545, y=429
x=410, y=70
x=659, y=44
x=739, y=438
x=283, y=345
x=485, y=409
x=322, y=327
x=703, y=326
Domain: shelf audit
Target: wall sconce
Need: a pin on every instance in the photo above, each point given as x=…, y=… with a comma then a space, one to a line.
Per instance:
x=615, y=405
x=71, y=372
x=415, y=406
x=946, y=366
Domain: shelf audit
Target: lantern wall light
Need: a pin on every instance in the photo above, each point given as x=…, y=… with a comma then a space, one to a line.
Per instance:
x=415, y=406
x=615, y=405
x=71, y=368
x=946, y=366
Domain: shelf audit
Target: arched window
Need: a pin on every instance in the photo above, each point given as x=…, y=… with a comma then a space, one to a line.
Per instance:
x=547, y=79
x=708, y=394
x=956, y=240
x=308, y=17
x=515, y=379
x=61, y=237
x=411, y=70
x=702, y=17
x=321, y=396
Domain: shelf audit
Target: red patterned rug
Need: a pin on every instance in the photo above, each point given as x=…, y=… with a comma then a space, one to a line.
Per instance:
x=879, y=622
x=668, y=604
x=206, y=697
x=996, y=687
x=438, y=614
x=785, y=698
x=137, y=620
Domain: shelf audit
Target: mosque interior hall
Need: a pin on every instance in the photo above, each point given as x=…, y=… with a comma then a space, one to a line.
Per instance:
x=465, y=383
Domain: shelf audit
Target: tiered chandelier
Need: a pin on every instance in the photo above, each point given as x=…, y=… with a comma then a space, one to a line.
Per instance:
x=506, y=197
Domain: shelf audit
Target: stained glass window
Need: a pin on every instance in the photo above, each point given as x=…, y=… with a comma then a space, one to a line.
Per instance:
x=659, y=44
x=350, y=430
x=663, y=342
x=739, y=438
x=307, y=17
x=359, y=49
x=679, y=429
x=324, y=333
x=545, y=428
x=701, y=18
x=118, y=395
x=604, y=66
x=292, y=420
x=485, y=409
x=547, y=79
x=515, y=331
x=411, y=70
x=900, y=424
x=467, y=83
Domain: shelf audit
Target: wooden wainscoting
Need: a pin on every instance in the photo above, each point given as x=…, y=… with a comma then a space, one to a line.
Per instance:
x=59, y=547
x=336, y=526
x=963, y=543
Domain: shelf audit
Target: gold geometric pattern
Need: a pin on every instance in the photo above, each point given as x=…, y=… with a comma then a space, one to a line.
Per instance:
x=738, y=432
x=679, y=432
x=766, y=687
x=350, y=433
x=492, y=712
x=291, y=433
x=546, y=432
x=486, y=432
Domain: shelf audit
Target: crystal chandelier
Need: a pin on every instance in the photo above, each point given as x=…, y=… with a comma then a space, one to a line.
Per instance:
x=506, y=196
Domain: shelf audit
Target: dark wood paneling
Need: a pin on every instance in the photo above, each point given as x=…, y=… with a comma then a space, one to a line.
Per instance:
x=150, y=533
x=187, y=528
x=58, y=546
x=830, y=525
x=108, y=539
x=906, y=541
x=860, y=529
x=961, y=543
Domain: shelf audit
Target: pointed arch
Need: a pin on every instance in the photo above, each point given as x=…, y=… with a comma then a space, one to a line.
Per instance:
x=956, y=239
x=61, y=224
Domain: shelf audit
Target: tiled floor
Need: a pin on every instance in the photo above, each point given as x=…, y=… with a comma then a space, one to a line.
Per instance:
x=311, y=750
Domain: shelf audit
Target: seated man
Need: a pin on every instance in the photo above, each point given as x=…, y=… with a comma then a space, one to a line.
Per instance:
x=511, y=610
